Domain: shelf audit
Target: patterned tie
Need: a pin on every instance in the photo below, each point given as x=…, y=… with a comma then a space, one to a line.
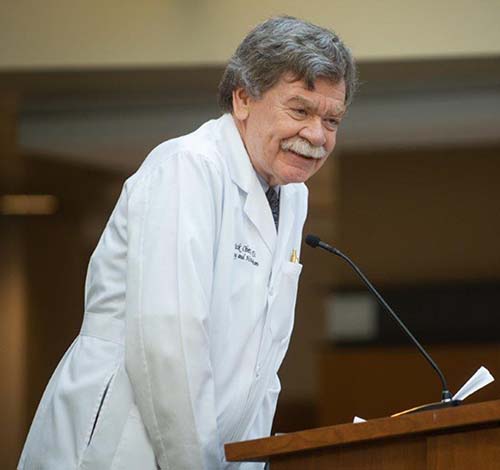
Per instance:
x=274, y=203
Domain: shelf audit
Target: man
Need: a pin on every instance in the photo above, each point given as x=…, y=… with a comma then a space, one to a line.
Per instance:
x=190, y=293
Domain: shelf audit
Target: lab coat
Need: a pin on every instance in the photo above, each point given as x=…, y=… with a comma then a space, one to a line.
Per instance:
x=189, y=307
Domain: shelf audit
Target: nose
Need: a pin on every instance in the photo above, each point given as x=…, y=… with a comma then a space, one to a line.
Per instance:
x=314, y=132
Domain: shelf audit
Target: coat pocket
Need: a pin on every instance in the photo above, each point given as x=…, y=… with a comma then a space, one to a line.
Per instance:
x=111, y=425
x=282, y=308
x=134, y=451
x=100, y=406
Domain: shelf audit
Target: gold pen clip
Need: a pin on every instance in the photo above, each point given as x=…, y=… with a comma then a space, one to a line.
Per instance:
x=294, y=258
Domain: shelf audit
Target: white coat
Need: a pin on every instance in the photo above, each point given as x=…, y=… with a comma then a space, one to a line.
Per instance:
x=189, y=307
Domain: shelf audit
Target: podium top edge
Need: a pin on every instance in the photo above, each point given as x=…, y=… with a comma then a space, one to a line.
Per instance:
x=428, y=422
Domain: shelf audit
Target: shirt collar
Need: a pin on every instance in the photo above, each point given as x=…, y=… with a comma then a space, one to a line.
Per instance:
x=265, y=184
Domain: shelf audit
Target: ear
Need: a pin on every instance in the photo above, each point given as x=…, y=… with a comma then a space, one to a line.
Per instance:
x=241, y=104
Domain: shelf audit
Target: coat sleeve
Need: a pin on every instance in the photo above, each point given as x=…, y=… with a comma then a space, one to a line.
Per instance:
x=172, y=227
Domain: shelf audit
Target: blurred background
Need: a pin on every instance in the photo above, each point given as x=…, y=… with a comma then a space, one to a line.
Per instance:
x=412, y=192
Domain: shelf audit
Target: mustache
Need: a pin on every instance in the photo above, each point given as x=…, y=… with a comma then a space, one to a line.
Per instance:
x=303, y=147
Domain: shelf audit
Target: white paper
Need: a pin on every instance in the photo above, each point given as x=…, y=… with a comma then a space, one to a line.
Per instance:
x=480, y=379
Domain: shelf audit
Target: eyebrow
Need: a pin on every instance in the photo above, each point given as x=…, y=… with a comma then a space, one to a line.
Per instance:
x=310, y=105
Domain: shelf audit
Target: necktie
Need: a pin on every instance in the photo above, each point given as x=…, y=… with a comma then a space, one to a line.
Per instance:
x=274, y=203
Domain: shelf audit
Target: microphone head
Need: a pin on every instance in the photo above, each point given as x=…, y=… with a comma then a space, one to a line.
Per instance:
x=312, y=240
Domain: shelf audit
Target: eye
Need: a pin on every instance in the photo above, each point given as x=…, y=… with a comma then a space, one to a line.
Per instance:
x=301, y=112
x=332, y=123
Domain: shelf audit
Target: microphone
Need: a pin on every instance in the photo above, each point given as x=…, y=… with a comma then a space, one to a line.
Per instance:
x=446, y=396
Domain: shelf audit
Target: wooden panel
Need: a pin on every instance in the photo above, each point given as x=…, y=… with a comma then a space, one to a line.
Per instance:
x=409, y=454
x=374, y=431
x=421, y=215
x=374, y=381
x=478, y=449
x=13, y=289
x=11, y=164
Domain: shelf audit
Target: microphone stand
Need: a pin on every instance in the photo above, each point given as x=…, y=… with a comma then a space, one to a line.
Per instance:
x=446, y=396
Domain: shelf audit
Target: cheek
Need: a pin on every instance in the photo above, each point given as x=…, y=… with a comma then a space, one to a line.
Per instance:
x=259, y=141
x=331, y=141
x=272, y=144
x=276, y=131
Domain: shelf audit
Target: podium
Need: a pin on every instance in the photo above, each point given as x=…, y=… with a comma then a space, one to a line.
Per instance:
x=466, y=437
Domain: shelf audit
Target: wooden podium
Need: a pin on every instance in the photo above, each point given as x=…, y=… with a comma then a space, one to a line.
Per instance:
x=466, y=437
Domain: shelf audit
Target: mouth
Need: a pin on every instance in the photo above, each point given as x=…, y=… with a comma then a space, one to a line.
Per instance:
x=305, y=157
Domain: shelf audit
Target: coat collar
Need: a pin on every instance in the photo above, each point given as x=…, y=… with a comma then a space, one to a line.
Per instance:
x=244, y=176
x=231, y=145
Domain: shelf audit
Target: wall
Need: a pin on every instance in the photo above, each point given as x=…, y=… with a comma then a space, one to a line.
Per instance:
x=420, y=215
x=13, y=294
x=12, y=343
x=54, y=34
x=407, y=216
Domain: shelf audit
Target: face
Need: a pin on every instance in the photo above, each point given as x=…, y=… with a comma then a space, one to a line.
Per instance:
x=290, y=131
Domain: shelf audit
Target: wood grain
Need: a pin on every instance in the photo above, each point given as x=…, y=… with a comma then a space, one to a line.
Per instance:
x=409, y=454
x=396, y=377
x=478, y=449
x=426, y=423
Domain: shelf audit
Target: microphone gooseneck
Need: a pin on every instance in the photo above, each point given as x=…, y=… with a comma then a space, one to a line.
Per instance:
x=314, y=241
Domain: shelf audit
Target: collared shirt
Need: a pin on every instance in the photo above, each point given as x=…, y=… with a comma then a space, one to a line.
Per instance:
x=265, y=184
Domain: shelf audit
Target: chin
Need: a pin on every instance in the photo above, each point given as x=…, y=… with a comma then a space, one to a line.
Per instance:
x=294, y=177
x=298, y=171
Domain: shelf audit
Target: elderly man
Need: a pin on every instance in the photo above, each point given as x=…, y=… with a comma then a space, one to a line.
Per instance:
x=190, y=293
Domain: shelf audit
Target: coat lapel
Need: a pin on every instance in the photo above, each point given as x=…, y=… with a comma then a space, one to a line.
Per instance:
x=286, y=222
x=287, y=212
x=256, y=206
x=259, y=212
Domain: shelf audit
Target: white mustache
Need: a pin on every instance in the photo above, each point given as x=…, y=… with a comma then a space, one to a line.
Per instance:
x=303, y=147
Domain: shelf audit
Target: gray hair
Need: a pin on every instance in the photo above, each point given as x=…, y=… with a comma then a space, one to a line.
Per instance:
x=286, y=45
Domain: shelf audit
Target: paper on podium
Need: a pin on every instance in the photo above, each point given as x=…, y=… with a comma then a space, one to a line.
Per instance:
x=480, y=379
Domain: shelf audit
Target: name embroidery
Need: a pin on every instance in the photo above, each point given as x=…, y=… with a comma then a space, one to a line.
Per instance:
x=245, y=253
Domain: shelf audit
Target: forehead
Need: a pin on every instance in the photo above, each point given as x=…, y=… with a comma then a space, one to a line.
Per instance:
x=324, y=92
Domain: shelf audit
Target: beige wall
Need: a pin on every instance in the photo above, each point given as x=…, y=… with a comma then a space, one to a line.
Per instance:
x=126, y=33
